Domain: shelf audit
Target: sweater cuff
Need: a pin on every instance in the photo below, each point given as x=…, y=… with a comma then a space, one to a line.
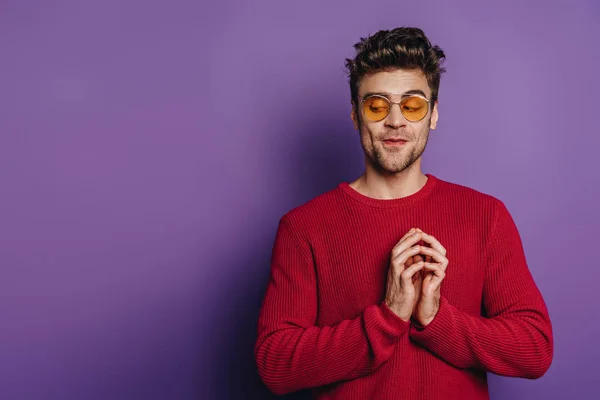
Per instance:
x=436, y=331
x=394, y=324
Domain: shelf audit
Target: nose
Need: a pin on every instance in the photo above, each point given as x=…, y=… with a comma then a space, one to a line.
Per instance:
x=395, y=119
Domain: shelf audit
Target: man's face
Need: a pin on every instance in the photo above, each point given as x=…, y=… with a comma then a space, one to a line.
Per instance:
x=393, y=156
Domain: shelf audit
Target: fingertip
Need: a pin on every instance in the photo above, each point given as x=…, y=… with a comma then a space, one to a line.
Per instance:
x=416, y=266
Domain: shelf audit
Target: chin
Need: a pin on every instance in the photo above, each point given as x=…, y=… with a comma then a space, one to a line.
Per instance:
x=392, y=168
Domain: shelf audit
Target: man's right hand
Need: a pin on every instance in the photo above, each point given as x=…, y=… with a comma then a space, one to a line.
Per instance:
x=404, y=277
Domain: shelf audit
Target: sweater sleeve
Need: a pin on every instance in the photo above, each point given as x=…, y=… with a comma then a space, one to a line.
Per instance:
x=291, y=352
x=514, y=335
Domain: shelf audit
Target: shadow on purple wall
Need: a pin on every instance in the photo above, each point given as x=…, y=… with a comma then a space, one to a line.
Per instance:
x=321, y=160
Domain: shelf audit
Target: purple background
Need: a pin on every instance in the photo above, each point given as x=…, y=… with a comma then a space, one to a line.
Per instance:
x=148, y=150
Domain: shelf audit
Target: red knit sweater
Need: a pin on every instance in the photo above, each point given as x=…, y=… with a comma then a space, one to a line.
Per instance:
x=324, y=325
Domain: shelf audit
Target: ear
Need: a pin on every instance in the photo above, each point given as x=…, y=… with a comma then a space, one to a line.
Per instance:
x=353, y=116
x=434, y=116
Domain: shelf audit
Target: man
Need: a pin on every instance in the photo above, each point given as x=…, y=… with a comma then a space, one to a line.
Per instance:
x=399, y=285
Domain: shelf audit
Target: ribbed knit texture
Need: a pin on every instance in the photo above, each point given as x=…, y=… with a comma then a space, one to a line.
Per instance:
x=324, y=325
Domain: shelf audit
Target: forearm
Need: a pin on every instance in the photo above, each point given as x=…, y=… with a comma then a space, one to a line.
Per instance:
x=291, y=357
x=513, y=335
x=517, y=343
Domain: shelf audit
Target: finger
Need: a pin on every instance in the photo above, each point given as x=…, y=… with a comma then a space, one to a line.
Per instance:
x=435, y=255
x=409, y=241
x=427, y=279
x=436, y=268
x=427, y=275
x=408, y=273
x=438, y=273
x=416, y=278
x=406, y=244
x=427, y=238
x=399, y=262
x=406, y=236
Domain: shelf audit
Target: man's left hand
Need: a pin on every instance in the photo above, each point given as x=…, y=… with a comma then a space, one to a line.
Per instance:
x=434, y=273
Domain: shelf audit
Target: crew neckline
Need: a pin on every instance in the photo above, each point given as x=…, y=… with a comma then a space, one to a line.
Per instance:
x=388, y=203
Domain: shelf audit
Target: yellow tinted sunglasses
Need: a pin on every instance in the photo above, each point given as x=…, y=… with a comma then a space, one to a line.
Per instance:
x=413, y=107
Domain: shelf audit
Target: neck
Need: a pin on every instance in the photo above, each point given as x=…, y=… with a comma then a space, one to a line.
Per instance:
x=374, y=184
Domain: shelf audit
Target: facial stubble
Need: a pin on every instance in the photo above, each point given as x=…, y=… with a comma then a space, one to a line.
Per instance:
x=385, y=161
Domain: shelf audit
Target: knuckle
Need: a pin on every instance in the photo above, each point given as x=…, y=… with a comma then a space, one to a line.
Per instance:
x=400, y=259
x=405, y=254
x=407, y=273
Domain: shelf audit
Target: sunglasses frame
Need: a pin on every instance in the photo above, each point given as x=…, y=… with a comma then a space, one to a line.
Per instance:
x=391, y=103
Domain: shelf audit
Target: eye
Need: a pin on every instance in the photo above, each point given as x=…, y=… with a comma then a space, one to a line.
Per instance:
x=377, y=109
x=377, y=104
x=409, y=108
x=412, y=104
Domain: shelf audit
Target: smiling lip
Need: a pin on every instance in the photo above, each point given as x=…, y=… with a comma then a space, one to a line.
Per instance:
x=394, y=142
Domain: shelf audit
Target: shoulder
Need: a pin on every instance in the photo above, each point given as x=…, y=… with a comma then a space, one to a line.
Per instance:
x=317, y=211
x=471, y=204
x=463, y=194
x=315, y=208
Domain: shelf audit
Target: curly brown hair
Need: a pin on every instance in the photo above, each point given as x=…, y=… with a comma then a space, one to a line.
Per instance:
x=399, y=48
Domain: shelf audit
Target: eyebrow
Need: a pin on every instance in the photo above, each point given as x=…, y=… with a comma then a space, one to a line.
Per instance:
x=386, y=94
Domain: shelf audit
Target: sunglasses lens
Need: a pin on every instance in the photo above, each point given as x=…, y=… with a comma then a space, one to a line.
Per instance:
x=376, y=108
x=414, y=108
